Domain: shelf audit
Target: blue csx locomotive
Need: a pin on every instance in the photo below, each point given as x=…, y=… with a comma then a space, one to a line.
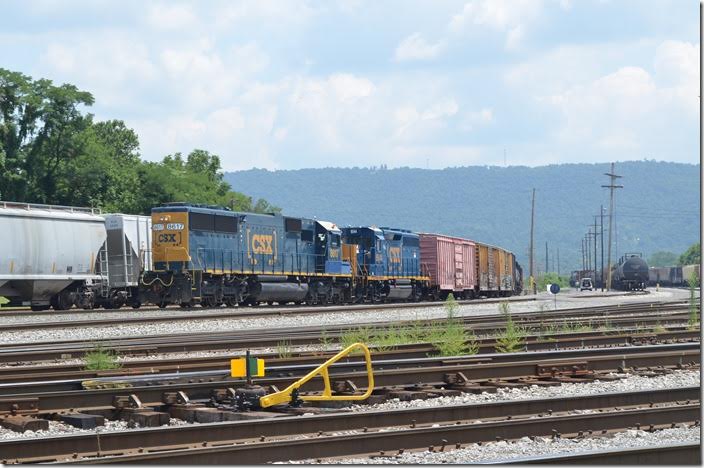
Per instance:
x=211, y=255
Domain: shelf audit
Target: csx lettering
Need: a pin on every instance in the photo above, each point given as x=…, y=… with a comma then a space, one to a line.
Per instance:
x=395, y=254
x=262, y=244
x=167, y=238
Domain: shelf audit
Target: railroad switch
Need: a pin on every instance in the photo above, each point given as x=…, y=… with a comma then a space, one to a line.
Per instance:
x=129, y=408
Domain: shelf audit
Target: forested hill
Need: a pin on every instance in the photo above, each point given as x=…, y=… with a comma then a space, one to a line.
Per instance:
x=658, y=208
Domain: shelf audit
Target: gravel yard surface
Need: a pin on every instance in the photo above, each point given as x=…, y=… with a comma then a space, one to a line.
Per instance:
x=541, y=446
x=630, y=383
x=205, y=325
x=57, y=428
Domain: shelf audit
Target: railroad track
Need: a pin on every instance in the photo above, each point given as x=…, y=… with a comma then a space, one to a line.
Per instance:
x=621, y=317
x=623, y=337
x=483, y=372
x=298, y=311
x=382, y=433
x=259, y=311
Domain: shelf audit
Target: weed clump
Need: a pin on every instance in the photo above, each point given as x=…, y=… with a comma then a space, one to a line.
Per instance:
x=449, y=336
x=100, y=358
x=511, y=338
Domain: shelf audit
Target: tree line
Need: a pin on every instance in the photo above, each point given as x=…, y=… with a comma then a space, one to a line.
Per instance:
x=51, y=152
x=689, y=257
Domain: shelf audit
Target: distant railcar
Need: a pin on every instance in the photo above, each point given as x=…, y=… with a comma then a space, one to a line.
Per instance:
x=689, y=271
x=449, y=262
x=631, y=273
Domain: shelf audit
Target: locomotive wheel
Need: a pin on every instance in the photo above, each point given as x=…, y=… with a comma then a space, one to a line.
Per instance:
x=162, y=305
x=208, y=301
x=136, y=305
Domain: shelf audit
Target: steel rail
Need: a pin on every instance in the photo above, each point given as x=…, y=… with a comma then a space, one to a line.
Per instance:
x=321, y=446
x=35, y=373
x=666, y=455
x=265, y=309
x=87, y=444
x=52, y=397
x=282, y=312
x=14, y=352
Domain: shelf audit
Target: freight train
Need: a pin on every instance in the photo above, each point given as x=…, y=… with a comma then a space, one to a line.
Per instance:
x=188, y=254
x=677, y=276
x=61, y=256
x=630, y=273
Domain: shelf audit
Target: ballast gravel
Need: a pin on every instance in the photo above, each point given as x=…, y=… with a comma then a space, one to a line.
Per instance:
x=629, y=383
x=57, y=428
x=538, y=447
x=209, y=325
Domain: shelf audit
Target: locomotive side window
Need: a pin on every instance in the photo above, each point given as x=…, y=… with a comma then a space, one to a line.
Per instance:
x=411, y=242
x=226, y=224
x=307, y=235
x=201, y=222
x=293, y=225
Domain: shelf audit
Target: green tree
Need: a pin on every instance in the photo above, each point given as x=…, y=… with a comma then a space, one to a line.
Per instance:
x=692, y=255
x=662, y=259
x=51, y=152
x=39, y=128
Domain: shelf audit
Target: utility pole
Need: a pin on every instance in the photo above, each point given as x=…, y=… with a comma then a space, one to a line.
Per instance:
x=611, y=187
x=546, y=258
x=532, y=224
x=595, y=236
x=602, y=247
x=583, y=263
x=558, y=261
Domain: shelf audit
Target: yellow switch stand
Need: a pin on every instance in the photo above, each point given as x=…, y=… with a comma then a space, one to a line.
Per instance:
x=284, y=396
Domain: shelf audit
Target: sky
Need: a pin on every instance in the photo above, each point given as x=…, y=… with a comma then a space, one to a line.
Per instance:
x=292, y=84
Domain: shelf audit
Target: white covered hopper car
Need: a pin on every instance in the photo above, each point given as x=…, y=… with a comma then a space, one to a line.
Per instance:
x=61, y=256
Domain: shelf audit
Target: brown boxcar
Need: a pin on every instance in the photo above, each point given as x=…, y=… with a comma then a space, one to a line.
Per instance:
x=450, y=264
x=486, y=265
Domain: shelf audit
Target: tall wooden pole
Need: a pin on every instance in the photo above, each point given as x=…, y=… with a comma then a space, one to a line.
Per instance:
x=532, y=225
x=602, y=247
x=611, y=186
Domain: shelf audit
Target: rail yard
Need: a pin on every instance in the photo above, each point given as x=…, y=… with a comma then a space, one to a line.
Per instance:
x=592, y=378
x=203, y=335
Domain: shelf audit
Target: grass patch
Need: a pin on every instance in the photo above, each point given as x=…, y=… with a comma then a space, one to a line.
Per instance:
x=693, y=319
x=3, y=301
x=512, y=338
x=284, y=349
x=450, y=337
x=100, y=358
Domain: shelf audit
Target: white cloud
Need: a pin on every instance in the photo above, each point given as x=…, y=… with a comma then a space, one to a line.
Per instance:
x=414, y=47
x=473, y=119
x=175, y=16
x=509, y=16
